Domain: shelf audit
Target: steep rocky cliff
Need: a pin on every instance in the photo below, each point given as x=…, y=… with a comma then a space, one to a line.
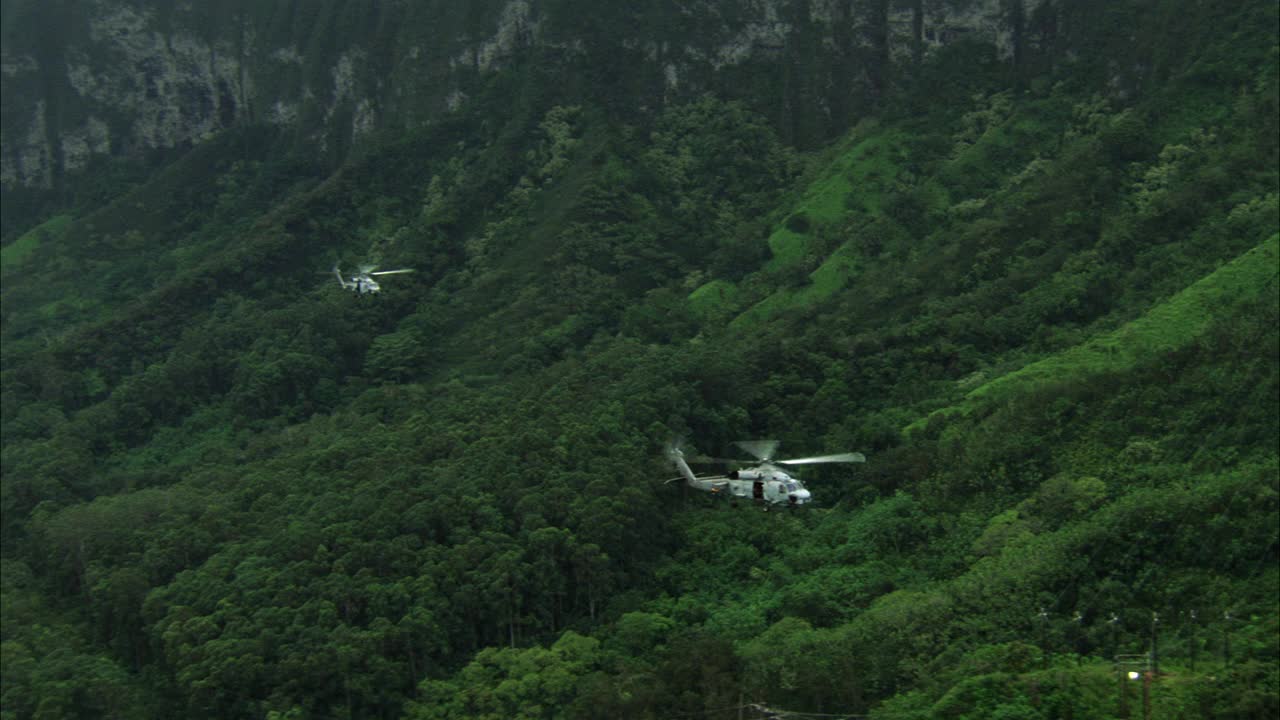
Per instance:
x=123, y=76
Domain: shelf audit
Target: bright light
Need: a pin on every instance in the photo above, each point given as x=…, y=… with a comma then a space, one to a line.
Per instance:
x=1134, y=674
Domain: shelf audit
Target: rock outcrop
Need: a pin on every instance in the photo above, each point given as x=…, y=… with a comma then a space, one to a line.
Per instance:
x=114, y=76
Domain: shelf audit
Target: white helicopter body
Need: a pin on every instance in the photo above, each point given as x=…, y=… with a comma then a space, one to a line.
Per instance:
x=766, y=482
x=362, y=282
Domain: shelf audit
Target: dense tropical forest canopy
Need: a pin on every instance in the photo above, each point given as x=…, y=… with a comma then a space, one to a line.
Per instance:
x=1034, y=280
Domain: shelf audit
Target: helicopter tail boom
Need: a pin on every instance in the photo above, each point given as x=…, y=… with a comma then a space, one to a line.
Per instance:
x=341, y=280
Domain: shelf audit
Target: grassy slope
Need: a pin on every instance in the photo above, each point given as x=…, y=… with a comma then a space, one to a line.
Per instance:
x=1167, y=327
x=852, y=177
x=15, y=253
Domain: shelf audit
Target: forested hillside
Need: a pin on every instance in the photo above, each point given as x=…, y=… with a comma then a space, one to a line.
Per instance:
x=1040, y=290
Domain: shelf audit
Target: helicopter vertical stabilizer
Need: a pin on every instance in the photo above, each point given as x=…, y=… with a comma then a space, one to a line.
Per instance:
x=341, y=280
x=676, y=455
x=709, y=483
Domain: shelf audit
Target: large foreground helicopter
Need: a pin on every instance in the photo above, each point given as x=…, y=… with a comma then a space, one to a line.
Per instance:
x=764, y=482
x=362, y=282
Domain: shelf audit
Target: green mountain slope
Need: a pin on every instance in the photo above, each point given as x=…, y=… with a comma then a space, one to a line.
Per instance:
x=1047, y=309
x=1166, y=328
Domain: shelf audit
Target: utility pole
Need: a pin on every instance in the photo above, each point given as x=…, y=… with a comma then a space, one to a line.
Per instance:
x=1113, y=624
x=1155, y=643
x=1195, y=641
x=1226, y=639
x=1044, y=631
x=1076, y=634
x=1112, y=636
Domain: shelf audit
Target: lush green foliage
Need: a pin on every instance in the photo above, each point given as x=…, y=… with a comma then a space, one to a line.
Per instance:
x=1048, y=312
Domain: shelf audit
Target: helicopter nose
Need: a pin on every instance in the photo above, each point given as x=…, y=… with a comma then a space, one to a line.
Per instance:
x=799, y=497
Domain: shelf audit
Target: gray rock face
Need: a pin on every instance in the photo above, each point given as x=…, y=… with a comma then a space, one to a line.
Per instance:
x=120, y=76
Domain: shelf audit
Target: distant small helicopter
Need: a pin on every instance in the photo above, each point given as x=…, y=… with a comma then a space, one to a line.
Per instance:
x=765, y=482
x=362, y=283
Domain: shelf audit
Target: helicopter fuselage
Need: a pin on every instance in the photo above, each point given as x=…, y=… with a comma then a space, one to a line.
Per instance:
x=763, y=483
x=768, y=484
x=363, y=284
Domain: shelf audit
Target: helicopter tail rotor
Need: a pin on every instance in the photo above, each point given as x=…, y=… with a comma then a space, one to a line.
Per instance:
x=675, y=454
x=673, y=451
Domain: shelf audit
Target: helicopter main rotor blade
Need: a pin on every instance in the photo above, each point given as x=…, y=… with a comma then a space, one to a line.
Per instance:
x=392, y=272
x=840, y=458
x=704, y=459
x=762, y=449
x=697, y=477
